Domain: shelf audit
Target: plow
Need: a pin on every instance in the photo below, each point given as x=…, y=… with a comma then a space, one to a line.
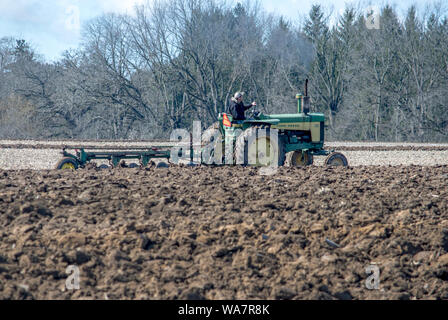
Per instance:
x=260, y=140
x=81, y=157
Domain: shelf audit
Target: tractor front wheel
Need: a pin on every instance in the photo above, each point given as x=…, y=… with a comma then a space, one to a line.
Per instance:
x=336, y=159
x=67, y=163
x=299, y=158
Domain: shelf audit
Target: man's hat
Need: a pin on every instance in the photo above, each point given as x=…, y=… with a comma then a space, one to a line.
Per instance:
x=238, y=94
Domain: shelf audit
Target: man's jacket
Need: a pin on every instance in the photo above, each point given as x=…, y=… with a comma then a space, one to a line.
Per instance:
x=237, y=110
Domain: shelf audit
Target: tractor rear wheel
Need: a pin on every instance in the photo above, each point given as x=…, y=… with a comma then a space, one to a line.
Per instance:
x=336, y=159
x=257, y=146
x=299, y=158
x=67, y=163
x=209, y=135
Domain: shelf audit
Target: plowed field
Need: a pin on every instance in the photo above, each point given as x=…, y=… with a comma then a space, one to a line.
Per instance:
x=225, y=233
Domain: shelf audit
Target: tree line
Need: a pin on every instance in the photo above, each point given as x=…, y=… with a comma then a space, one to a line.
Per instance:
x=171, y=62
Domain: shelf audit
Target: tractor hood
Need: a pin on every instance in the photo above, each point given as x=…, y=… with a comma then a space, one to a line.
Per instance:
x=291, y=117
x=270, y=121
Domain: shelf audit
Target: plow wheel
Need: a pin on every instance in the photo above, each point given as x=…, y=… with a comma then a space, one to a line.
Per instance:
x=67, y=163
x=258, y=147
x=336, y=159
x=299, y=159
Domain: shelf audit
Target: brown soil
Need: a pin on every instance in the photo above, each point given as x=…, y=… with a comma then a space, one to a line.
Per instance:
x=156, y=143
x=225, y=233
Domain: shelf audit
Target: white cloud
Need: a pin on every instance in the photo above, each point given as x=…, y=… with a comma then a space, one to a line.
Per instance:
x=24, y=11
x=54, y=25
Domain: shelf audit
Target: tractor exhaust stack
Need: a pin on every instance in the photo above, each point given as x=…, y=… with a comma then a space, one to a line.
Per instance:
x=303, y=103
x=306, y=99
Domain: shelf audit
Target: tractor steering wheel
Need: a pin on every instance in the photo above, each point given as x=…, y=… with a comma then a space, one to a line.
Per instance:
x=254, y=114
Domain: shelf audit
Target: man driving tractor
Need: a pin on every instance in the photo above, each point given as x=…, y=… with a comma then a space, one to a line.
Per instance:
x=237, y=108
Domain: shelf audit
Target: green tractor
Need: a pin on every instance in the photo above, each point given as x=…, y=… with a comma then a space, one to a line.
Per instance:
x=272, y=140
x=262, y=140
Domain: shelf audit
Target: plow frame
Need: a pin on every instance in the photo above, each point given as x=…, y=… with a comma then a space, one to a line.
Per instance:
x=143, y=154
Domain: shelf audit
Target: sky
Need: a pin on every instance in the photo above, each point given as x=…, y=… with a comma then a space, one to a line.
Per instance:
x=53, y=26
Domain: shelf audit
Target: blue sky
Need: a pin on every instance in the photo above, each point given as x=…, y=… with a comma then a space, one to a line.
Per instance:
x=53, y=26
